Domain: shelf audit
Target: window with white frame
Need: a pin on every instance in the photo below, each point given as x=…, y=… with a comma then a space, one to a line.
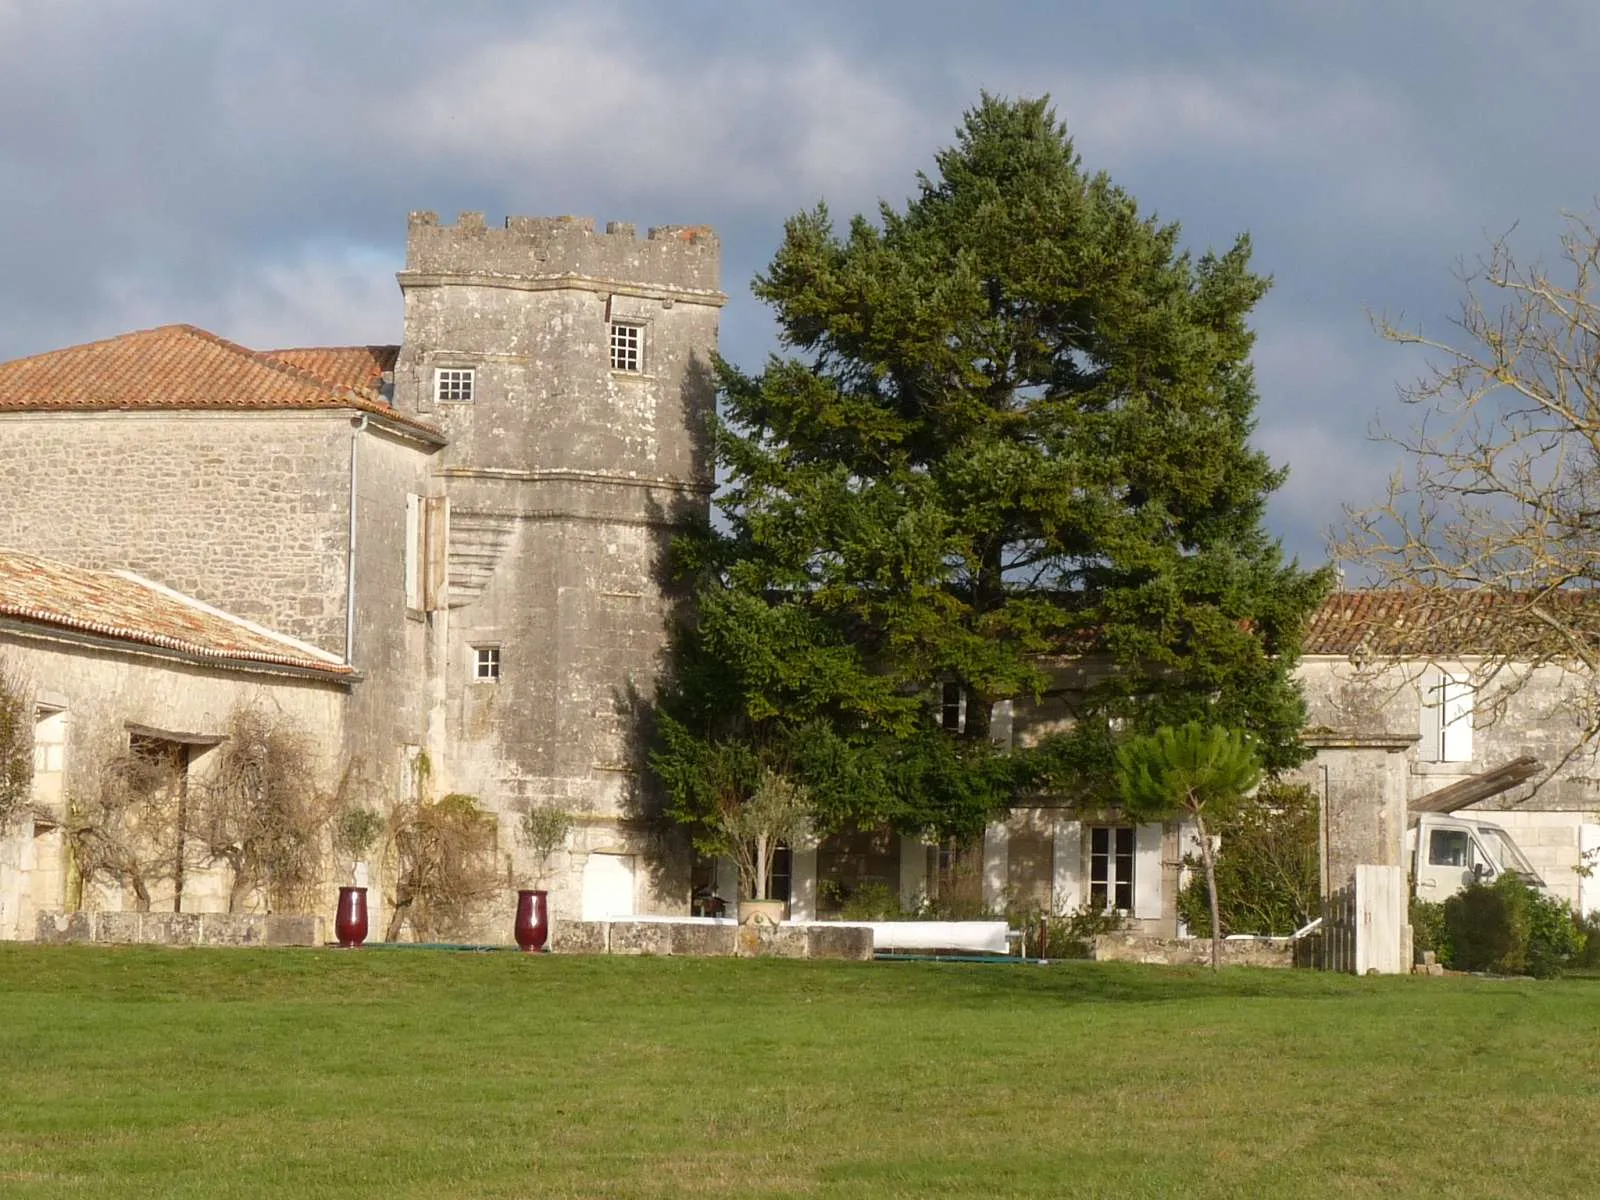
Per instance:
x=627, y=347
x=1447, y=704
x=486, y=664
x=952, y=707
x=1111, y=858
x=453, y=385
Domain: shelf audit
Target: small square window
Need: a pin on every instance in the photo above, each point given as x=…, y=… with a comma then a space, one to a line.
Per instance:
x=452, y=385
x=486, y=663
x=625, y=346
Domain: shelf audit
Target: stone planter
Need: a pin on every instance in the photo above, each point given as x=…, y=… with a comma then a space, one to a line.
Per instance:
x=350, y=924
x=761, y=912
x=532, y=929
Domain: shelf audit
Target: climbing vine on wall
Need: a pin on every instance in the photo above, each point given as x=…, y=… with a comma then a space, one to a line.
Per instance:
x=16, y=743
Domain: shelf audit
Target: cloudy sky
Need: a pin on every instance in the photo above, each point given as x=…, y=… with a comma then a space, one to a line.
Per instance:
x=248, y=168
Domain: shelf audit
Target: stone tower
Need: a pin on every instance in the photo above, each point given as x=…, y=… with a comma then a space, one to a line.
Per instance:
x=570, y=370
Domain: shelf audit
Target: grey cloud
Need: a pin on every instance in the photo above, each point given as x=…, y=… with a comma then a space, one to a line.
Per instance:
x=247, y=168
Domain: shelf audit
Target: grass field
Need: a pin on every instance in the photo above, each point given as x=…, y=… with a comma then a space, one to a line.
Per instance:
x=171, y=1073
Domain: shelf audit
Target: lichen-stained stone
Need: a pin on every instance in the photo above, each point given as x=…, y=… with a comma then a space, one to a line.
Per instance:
x=170, y=929
x=578, y=937
x=760, y=940
x=696, y=939
x=117, y=927
x=232, y=929
x=640, y=937
x=826, y=941
x=292, y=929
x=58, y=928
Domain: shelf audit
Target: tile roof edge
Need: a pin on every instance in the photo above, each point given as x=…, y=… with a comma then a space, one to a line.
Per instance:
x=306, y=648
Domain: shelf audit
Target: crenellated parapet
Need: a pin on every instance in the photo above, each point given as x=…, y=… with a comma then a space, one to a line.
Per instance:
x=679, y=257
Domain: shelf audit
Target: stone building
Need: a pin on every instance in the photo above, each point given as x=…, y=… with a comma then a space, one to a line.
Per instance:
x=460, y=540
x=116, y=662
x=471, y=523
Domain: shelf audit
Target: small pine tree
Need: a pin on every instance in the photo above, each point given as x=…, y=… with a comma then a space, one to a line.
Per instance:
x=1190, y=771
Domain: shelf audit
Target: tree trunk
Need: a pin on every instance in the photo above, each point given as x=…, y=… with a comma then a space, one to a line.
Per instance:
x=141, y=894
x=763, y=880
x=1209, y=858
x=397, y=918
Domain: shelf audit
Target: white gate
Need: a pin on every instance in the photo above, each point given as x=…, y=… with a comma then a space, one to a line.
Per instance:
x=608, y=886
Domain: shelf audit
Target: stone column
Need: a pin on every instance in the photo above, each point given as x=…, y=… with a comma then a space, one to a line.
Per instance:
x=913, y=871
x=996, y=858
x=803, y=883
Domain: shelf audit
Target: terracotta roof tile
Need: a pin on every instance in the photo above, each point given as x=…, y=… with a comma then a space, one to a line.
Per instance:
x=181, y=367
x=360, y=368
x=125, y=607
x=1424, y=622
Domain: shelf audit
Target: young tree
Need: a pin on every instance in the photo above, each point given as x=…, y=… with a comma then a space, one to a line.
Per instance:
x=1193, y=771
x=1497, y=502
x=1268, y=868
x=1015, y=422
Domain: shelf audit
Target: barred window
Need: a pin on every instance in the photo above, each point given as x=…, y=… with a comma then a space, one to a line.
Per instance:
x=452, y=385
x=625, y=347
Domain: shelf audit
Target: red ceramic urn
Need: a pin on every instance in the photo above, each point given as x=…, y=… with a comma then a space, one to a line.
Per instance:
x=533, y=920
x=350, y=924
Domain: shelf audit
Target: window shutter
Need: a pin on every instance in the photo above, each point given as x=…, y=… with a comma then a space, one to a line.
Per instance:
x=1066, y=864
x=436, y=552
x=413, y=552
x=1431, y=687
x=1147, y=873
x=1455, y=743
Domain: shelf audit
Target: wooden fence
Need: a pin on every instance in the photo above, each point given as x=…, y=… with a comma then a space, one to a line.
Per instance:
x=1364, y=924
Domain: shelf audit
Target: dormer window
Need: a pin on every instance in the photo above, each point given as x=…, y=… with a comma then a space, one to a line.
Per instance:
x=453, y=385
x=627, y=343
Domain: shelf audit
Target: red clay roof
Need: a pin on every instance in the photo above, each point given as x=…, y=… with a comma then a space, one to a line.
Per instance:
x=1441, y=622
x=124, y=607
x=181, y=367
x=357, y=367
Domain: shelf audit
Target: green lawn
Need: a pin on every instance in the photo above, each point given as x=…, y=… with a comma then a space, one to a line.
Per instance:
x=171, y=1073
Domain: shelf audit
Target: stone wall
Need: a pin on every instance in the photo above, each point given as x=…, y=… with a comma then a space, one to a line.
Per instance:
x=101, y=693
x=245, y=511
x=1366, y=724
x=707, y=939
x=566, y=481
x=1236, y=952
x=180, y=929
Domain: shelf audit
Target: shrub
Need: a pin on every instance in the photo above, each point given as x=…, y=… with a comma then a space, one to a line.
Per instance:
x=445, y=856
x=1509, y=928
x=1428, y=931
x=1267, y=872
x=1072, y=934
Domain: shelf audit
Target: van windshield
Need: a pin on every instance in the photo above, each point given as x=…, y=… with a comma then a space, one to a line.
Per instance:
x=1505, y=853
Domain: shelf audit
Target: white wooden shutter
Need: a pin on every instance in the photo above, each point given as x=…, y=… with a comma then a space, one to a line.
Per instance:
x=1066, y=864
x=1147, y=873
x=413, y=552
x=1455, y=744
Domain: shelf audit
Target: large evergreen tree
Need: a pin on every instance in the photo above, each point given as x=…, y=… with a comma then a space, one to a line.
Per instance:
x=1013, y=422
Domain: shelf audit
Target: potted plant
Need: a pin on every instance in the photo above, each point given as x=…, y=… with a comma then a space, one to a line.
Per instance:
x=751, y=829
x=543, y=828
x=355, y=830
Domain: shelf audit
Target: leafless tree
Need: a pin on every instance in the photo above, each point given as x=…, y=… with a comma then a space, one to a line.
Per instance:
x=1493, y=523
x=445, y=866
x=261, y=809
x=123, y=824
